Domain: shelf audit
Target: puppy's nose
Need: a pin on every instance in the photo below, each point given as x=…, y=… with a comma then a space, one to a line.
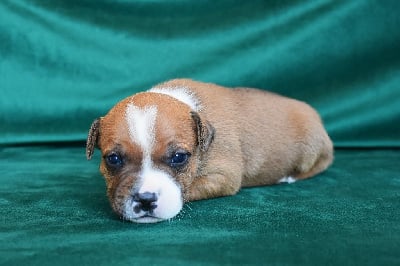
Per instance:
x=145, y=201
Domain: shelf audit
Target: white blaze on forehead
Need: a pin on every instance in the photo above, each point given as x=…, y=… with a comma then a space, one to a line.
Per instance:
x=141, y=126
x=181, y=94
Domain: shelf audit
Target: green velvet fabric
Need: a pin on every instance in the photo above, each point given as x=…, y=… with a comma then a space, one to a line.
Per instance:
x=54, y=212
x=65, y=62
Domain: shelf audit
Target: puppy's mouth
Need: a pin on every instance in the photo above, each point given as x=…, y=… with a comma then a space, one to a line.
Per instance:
x=147, y=218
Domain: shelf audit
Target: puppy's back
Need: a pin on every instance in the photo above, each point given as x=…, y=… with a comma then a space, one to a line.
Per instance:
x=269, y=135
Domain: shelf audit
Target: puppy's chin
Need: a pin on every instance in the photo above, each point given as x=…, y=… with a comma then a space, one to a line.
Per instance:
x=147, y=219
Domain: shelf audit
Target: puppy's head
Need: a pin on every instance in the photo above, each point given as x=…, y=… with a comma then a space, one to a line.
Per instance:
x=151, y=144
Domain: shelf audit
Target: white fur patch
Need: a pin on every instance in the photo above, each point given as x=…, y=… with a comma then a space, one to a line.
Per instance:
x=168, y=192
x=169, y=200
x=181, y=94
x=287, y=179
x=141, y=124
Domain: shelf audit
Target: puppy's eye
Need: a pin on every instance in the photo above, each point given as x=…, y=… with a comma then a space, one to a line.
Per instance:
x=179, y=159
x=114, y=160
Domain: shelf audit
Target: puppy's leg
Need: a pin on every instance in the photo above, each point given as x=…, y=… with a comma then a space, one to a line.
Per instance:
x=316, y=162
x=213, y=185
x=320, y=165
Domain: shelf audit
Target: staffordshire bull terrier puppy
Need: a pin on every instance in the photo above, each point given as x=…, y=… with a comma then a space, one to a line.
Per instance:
x=184, y=140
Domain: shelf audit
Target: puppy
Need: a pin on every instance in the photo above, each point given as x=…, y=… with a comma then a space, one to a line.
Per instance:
x=185, y=140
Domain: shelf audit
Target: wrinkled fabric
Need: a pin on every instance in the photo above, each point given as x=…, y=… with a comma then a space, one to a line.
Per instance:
x=64, y=63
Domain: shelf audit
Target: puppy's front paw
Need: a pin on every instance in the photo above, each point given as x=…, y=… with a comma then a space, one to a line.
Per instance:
x=212, y=186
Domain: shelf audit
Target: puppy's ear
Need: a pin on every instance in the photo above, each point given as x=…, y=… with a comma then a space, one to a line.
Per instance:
x=204, y=130
x=93, y=138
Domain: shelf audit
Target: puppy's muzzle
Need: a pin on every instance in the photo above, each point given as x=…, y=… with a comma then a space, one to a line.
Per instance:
x=145, y=202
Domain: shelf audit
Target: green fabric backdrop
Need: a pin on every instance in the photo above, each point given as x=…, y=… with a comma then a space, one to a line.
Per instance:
x=65, y=62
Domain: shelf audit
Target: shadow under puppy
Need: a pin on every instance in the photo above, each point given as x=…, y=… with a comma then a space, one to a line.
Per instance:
x=185, y=140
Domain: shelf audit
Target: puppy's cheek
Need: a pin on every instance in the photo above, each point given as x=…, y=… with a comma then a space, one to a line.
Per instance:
x=185, y=183
x=119, y=190
x=185, y=180
x=111, y=182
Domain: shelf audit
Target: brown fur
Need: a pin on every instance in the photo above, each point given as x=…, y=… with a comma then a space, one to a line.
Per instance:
x=239, y=138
